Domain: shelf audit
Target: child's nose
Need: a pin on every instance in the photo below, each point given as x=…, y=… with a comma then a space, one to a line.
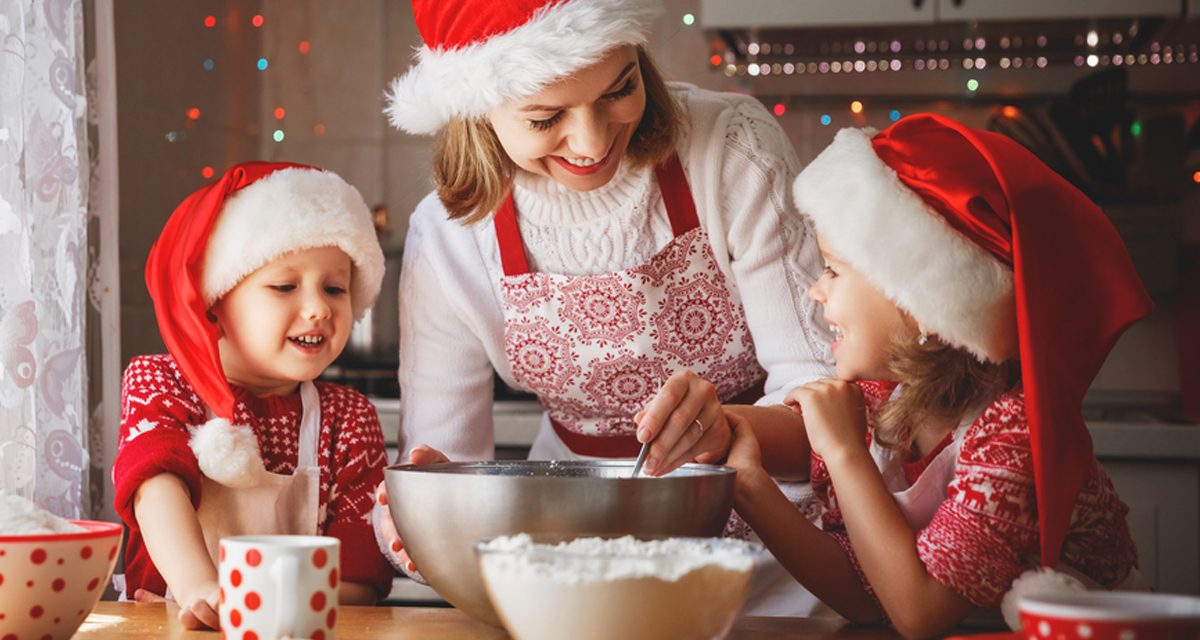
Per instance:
x=816, y=292
x=316, y=308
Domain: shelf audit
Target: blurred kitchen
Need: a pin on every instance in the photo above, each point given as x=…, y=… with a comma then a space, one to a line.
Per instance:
x=1107, y=92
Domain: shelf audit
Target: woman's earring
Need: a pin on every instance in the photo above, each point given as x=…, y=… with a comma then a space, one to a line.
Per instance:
x=923, y=338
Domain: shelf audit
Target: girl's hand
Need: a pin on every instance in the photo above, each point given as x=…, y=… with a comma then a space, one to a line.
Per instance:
x=198, y=606
x=834, y=415
x=745, y=457
x=685, y=422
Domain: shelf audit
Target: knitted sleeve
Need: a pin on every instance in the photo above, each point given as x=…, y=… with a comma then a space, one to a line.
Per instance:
x=771, y=249
x=446, y=376
x=156, y=409
x=982, y=535
x=356, y=469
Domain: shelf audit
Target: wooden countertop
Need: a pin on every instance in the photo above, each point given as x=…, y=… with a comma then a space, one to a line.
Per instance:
x=119, y=620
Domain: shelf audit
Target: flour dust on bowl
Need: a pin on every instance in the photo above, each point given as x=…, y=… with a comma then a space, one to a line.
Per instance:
x=1110, y=615
x=442, y=510
x=634, y=588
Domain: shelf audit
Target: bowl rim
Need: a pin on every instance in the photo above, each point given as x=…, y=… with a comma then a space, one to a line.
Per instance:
x=753, y=550
x=454, y=468
x=1108, y=606
x=96, y=529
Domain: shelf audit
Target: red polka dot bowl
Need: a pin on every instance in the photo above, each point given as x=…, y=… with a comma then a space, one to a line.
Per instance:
x=50, y=582
x=1110, y=615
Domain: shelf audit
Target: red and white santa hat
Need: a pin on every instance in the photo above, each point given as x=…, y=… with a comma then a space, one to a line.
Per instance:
x=226, y=230
x=479, y=54
x=988, y=248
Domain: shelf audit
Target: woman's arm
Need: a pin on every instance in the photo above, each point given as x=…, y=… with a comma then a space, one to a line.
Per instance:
x=173, y=537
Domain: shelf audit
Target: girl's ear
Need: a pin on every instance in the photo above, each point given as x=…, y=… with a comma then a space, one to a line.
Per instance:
x=212, y=317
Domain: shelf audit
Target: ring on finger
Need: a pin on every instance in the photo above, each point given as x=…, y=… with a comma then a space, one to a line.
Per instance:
x=700, y=425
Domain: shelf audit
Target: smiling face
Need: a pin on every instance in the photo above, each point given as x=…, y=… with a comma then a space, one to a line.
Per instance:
x=865, y=323
x=286, y=322
x=576, y=130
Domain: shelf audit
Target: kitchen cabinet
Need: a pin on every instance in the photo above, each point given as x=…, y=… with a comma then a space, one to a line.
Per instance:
x=962, y=10
x=724, y=14
x=1193, y=9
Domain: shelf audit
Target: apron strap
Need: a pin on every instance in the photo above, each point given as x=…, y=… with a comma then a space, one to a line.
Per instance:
x=676, y=195
x=310, y=426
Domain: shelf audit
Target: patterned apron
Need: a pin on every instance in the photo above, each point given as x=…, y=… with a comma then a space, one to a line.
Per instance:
x=596, y=348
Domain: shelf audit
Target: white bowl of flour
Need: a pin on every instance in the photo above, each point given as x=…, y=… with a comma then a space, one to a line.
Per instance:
x=633, y=588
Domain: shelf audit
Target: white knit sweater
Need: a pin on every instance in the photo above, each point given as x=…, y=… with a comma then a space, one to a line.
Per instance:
x=740, y=166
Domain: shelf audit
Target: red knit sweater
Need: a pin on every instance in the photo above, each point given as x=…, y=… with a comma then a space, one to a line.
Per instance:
x=985, y=533
x=157, y=406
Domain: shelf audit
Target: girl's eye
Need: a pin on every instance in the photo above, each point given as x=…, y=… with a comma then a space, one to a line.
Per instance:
x=335, y=290
x=543, y=125
x=625, y=90
x=830, y=272
x=283, y=288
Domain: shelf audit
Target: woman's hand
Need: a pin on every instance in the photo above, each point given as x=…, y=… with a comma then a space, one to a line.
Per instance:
x=834, y=415
x=381, y=517
x=198, y=606
x=685, y=422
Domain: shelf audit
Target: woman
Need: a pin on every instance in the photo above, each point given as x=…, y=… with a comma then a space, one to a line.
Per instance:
x=622, y=248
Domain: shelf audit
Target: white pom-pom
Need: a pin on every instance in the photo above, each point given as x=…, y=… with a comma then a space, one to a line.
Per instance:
x=228, y=453
x=1035, y=582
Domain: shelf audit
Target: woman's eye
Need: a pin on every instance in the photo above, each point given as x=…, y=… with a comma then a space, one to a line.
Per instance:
x=543, y=125
x=625, y=90
x=283, y=288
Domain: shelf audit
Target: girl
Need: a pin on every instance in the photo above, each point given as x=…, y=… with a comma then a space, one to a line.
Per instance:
x=973, y=294
x=256, y=280
x=599, y=237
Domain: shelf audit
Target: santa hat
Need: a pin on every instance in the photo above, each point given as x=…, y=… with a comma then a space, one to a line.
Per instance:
x=479, y=54
x=995, y=253
x=256, y=212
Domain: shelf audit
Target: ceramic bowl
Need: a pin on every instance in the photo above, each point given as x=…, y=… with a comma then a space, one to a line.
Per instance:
x=50, y=582
x=1110, y=615
x=631, y=587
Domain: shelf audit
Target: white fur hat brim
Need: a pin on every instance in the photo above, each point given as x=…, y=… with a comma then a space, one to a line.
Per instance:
x=868, y=218
x=471, y=81
x=291, y=210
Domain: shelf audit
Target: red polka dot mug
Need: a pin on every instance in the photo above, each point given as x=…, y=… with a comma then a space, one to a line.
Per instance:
x=278, y=587
x=1109, y=615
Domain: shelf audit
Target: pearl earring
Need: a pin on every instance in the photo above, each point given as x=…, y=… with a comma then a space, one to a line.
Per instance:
x=923, y=338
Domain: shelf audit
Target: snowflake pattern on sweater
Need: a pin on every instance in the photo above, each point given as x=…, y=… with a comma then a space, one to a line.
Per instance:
x=985, y=533
x=157, y=407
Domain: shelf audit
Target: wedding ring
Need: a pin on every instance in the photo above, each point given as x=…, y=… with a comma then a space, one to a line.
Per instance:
x=699, y=426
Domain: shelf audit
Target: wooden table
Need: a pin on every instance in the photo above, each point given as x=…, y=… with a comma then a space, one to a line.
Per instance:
x=119, y=620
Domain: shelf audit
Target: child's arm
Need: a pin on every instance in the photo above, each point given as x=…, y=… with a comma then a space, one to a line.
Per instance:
x=356, y=593
x=883, y=542
x=175, y=541
x=813, y=558
x=781, y=437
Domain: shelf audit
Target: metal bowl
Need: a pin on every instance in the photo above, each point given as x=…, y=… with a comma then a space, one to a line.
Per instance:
x=442, y=510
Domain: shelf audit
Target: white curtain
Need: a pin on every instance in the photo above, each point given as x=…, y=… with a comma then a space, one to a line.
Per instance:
x=43, y=253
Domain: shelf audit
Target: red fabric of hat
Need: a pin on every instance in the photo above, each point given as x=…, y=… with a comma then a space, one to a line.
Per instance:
x=454, y=25
x=1075, y=287
x=173, y=277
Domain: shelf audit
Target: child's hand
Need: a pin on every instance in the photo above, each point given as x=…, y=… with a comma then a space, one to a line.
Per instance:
x=198, y=606
x=745, y=457
x=834, y=415
x=685, y=421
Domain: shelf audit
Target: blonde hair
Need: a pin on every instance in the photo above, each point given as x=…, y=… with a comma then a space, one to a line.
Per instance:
x=473, y=174
x=940, y=381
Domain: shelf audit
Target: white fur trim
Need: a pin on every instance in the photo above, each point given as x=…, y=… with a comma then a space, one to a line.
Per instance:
x=1035, y=582
x=228, y=453
x=289, y=210
x=871, y=220
x=473, y=80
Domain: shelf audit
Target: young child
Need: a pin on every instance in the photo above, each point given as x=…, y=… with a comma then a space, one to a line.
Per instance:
x=256, y=281
x=973, y=294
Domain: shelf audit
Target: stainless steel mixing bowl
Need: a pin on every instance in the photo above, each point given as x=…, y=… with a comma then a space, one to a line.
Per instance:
x=442, y=510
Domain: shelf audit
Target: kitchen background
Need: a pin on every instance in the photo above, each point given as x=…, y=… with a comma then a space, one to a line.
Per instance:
x=1105, y=91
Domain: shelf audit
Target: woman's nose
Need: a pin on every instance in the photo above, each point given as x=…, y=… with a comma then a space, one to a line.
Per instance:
x=589, y=136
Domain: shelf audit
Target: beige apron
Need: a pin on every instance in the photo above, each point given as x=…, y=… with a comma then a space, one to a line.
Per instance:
x=280, y=504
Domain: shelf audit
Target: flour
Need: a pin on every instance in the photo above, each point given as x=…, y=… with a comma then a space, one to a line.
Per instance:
x=597, y=589
x=19, y=516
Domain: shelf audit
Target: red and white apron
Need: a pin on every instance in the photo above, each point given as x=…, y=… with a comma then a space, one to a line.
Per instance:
x=596, y=348
x=279, y=504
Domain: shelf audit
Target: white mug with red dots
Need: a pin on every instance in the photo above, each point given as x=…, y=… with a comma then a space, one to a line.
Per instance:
x=278, y=587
